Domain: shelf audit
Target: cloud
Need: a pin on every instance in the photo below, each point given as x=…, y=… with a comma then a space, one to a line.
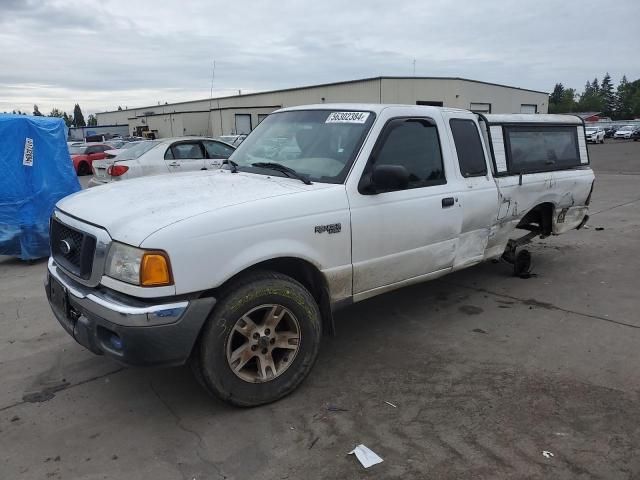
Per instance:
x=115, y=52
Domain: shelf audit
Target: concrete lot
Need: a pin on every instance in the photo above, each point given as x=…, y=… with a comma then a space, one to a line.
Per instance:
x=486, y=371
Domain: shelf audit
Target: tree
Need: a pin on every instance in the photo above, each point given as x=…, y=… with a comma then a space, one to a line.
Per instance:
x=563, y=100
x=623, y=99
x=55, y=113
x=591, y=100
x=556, y=95
x=119, y=108
x=92, y=121
x=67, y=119
x=36, y=111
x=607, y=95
x=78, y=118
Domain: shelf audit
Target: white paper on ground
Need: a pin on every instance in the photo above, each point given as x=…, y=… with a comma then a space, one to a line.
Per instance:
x=366, y=456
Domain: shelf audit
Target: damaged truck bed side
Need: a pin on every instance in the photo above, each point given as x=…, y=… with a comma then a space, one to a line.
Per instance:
x=238, y=270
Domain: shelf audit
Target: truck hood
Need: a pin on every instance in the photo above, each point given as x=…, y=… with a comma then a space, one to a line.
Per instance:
x=132, y=210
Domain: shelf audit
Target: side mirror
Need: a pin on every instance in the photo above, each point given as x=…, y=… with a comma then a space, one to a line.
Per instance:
x=389, y=177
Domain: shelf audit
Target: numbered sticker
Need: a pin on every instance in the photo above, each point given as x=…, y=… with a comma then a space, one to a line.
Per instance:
x=347, y=117
x=27, y=158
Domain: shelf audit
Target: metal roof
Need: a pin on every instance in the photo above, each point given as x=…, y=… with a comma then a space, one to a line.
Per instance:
x=345, y=82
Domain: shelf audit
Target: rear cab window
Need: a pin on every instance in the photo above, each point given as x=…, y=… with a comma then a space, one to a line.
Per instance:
x=541, y=148
x=552, y=142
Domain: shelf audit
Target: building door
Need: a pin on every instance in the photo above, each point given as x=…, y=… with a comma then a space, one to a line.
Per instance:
x=243, y=123
x=477, y=107
x=528, y=108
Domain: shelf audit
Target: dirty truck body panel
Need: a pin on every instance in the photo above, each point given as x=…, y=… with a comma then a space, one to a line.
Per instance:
x=352, y=235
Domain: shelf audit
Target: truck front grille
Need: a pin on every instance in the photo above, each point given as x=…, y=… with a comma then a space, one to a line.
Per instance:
x=72, y=249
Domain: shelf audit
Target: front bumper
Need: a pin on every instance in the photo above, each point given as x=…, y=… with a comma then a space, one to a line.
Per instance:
x=131, y=331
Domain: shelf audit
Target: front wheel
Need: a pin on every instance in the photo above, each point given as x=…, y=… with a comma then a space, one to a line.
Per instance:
x=261, y=340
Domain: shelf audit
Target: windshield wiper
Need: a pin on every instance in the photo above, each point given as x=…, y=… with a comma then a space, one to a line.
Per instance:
x=233, y=166
x=284, y=169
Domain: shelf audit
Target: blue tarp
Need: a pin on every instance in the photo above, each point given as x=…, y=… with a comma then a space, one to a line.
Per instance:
x=35, y=172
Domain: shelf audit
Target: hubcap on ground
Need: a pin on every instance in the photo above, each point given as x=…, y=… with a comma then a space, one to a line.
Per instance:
x=263, y=343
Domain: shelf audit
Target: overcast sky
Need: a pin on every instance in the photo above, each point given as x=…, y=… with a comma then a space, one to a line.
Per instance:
x=135, y=53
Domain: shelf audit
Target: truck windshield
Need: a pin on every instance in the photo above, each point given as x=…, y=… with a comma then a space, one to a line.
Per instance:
x=320, y=144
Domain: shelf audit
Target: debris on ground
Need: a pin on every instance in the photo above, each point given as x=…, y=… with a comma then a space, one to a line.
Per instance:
x=366, y=456
x=313, y=442
x=335, y=408
x=547, y=454
x=391, y=404
x=599, y=229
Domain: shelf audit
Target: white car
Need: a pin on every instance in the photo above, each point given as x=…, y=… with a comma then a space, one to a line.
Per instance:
x=238, y=270
x=594, y=134
x=156, y=157
x=624, y=132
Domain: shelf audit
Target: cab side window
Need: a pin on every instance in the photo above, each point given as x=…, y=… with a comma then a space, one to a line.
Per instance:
x=469, y=147
x=413, y=143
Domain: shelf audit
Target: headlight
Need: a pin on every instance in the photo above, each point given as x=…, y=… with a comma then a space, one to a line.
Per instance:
x=148, y=268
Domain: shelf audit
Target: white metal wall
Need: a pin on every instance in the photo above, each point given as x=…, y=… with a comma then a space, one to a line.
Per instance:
x=217, y=116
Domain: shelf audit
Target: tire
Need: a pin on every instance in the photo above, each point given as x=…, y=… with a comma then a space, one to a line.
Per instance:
x=264, y=298
x=84, y=169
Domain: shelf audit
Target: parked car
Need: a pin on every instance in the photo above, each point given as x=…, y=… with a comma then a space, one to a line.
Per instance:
x=624, y=132
x=636, y=134
x=111, y=154
x=610, y=130
x=238, y=270
x=234, y=140
x=116, y=143
x=155, y=157
x=594, y=134
x=85, y=154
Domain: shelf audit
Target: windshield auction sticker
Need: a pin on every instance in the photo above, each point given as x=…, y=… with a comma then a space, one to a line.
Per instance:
x=347, y=117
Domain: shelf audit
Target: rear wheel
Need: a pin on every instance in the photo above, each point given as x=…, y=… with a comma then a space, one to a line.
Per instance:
x=260, y=342
x=84, y=169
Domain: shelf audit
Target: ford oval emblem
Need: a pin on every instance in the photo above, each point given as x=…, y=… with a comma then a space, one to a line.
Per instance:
x=66, y=246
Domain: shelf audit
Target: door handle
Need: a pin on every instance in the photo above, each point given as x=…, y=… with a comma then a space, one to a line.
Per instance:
x=448, y=202
x=174, y=164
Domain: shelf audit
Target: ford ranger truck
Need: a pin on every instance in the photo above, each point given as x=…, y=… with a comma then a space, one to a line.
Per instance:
x=237, y=270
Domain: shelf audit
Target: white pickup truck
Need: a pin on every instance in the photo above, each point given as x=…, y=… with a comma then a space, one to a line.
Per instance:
x=237, y=271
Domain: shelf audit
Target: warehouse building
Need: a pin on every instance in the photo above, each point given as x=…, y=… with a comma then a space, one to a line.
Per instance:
x=241, y=113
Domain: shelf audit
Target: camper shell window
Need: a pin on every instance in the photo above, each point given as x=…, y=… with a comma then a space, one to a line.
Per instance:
x=535, y=148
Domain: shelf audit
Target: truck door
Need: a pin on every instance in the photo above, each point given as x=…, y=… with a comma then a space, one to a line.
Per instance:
x=479, y=194
x=404, y=235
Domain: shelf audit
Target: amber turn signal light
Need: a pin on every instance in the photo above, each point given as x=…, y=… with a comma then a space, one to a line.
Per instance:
x=155, y=270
